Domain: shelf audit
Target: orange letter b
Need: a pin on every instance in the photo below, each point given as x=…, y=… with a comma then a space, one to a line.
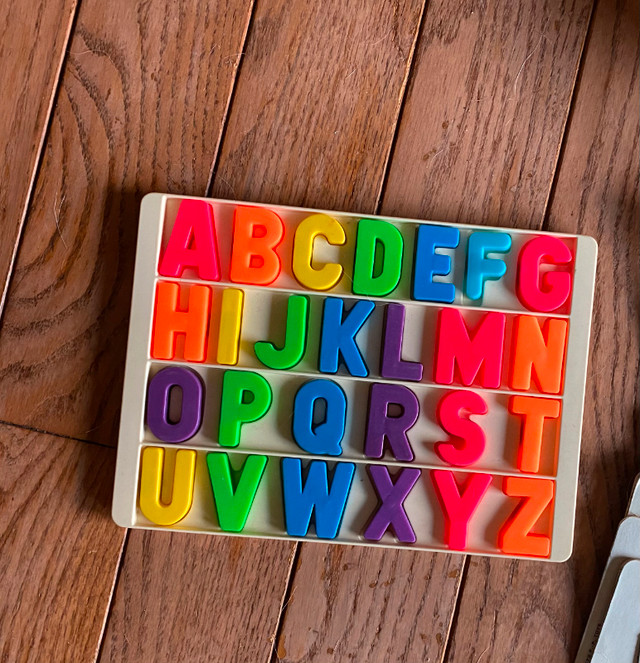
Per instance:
x=256, y=234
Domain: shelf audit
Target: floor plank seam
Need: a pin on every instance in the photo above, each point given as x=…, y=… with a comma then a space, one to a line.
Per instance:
x=544, y=225
x=456, y=610
x=232, y=93
x=42, y=431
x=286, y=597
x=53, y=100
x=401, y=103
x=116, y=578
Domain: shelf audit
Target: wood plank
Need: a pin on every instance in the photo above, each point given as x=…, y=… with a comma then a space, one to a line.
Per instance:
x=33, y=38
x=59, y=548
x=475, y=73
x=544, y=607
x=317, y=102
x=119, y=130
x=486, y=110
x=350, y=603
x=297, y=110
x=188, y=597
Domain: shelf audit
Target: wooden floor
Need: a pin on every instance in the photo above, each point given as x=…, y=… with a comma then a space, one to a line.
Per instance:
x=515, y=113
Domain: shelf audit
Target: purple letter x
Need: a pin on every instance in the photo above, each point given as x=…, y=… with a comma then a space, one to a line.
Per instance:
x=391, y=512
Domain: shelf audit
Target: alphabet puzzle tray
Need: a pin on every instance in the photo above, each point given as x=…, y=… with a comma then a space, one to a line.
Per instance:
x=313, y=375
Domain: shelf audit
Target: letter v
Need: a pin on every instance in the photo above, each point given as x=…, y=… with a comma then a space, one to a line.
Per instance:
x=233, y=506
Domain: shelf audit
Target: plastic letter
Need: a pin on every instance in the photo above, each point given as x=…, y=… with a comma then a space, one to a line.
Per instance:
x=301, y=501
x=393, y=367
x=246, y=397
x=378, y=258
x=158, y=400
x=538, y=353
x=391, y=512
x=533, y=411
x=295, y=340
x=192, y=243
x=169, y=321
x=230, y=326
x=339, y=336
x=381, y=426
x=478, y=358
x=428, y=263
x=458, y=507
x=234, y=490
x=515, y=537
x=308, y=275
x=325, y=437
x=155, y=504
x=541, y=290
x=480, y=268
x=467, y=441
x=257, y=232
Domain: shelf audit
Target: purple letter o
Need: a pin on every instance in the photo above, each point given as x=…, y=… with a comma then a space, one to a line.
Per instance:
x=158, y=398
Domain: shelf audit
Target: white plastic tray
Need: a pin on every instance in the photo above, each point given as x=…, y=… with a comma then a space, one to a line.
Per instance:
x=271, y=435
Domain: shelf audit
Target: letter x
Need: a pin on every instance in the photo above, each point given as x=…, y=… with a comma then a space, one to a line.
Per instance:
x=391, y=510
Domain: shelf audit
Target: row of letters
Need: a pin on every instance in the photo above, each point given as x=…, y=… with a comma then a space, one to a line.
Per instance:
x=320, y=494
x=543, y=267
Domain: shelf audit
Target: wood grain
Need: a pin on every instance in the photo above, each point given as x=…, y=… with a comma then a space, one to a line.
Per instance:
x=316, y=105
x=120, y=129
x=365, y=604
x=486, y=110
x=188, y=597
x=462, y=96
x=59, y=548
x=33, y=38
x=509, y=610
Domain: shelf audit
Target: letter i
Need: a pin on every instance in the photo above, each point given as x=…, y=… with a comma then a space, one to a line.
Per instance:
x=230, y=326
